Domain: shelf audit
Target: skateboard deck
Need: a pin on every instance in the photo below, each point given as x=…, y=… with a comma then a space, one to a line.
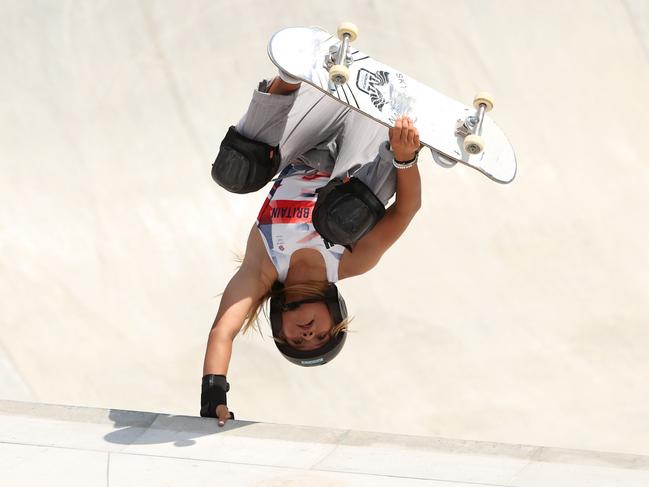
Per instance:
x=384, y=93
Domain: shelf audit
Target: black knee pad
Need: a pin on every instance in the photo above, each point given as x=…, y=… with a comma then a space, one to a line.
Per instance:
x=244, y=165
x=345, y=212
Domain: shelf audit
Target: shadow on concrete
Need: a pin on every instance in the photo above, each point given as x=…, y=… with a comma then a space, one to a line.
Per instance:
x=138, y=428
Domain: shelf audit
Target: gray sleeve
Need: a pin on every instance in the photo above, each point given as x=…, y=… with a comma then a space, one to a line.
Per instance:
x=358, y=155
x=265, y=120
x=380, y=175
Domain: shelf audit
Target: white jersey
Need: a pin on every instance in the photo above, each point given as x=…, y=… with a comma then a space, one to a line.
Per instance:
x=285, y=224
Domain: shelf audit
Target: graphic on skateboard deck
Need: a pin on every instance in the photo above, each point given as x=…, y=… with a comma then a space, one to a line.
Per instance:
x=452, y=131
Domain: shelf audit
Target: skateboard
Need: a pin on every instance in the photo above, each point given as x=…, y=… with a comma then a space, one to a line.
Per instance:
x=453, y=131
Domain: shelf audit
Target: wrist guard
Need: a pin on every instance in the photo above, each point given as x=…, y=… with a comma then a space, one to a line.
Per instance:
x=213, y=394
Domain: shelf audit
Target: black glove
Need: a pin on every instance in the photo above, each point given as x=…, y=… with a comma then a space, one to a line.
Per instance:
x=213, y=394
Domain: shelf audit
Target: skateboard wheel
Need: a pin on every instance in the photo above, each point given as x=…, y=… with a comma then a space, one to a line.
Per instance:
x=473, y=144
x=339, y=74
x=484, y=98
x=347, y=28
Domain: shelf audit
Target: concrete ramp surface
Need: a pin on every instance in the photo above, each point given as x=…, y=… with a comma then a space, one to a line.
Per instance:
x=57, y=445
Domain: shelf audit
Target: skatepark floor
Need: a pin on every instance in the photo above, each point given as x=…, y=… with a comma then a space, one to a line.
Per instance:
x=57, y=445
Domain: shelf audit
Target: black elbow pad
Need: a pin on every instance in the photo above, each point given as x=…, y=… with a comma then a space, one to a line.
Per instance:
x=244, y=165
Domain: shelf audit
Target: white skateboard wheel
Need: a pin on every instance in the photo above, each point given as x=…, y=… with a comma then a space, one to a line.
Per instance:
x=339, y=74
x=484, y=98
x=473, y=144
x=347, y=28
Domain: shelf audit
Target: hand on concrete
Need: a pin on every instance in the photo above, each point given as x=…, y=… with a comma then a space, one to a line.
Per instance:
x=223, y=414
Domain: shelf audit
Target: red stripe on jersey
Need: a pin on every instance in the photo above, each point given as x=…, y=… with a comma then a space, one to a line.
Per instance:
x=316, y=175
x=309, y=237
x=285, y=211
x=261, y=218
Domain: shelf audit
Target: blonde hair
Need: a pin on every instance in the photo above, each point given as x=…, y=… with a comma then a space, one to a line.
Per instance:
x=303, y=290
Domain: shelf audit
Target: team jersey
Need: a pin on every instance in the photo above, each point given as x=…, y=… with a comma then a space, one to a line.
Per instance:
x=285, y=224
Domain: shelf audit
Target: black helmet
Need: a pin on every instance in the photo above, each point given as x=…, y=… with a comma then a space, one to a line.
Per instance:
x=320, y=356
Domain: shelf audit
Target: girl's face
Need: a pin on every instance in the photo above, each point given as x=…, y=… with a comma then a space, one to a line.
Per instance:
x=307, y=327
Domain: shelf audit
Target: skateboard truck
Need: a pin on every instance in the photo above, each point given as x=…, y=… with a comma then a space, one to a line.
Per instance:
x=330, y=59
x=339, y=59
x=471, y=127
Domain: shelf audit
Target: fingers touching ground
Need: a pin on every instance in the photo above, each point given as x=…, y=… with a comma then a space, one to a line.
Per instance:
x=223, y=414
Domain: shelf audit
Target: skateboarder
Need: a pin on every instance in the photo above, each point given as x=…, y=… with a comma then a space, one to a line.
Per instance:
x=324, y=220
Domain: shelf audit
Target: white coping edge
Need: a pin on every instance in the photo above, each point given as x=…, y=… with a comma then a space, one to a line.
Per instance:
x=296, y=433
